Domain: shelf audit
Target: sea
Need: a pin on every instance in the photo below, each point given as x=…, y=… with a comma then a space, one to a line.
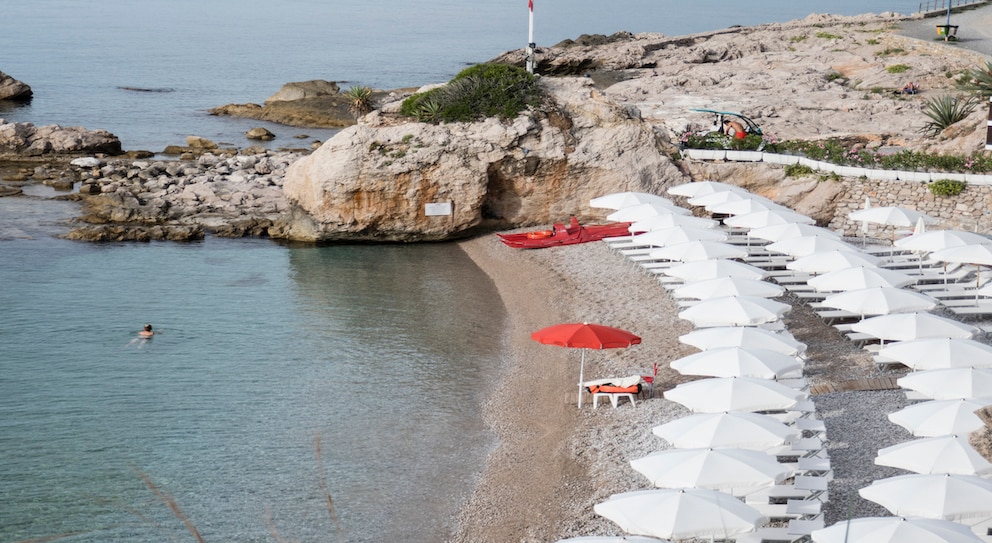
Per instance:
x=291, y=393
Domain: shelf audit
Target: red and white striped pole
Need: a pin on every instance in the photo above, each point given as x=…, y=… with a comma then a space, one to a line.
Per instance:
x=988, y=132
x=530, y=39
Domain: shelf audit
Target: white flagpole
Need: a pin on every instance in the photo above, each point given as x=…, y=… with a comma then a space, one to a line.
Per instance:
x=530, y=39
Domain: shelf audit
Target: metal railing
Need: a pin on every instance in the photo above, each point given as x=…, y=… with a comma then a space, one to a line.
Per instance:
x=942, y=5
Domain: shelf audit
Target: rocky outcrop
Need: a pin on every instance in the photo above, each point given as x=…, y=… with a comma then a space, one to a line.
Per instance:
x=310, y=104
x=28, y=140
x=377, y=181
x=231, y=196
x=12, y=89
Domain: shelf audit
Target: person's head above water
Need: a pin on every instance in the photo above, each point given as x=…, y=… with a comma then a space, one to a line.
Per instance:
x=148, y=328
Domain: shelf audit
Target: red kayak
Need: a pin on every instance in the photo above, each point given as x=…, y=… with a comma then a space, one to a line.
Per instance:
x=564, y=235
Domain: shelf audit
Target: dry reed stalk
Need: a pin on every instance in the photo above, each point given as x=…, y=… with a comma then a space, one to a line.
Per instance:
x=170, y=501
x=322, y=481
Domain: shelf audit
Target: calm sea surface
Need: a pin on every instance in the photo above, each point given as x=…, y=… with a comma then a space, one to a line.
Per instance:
x=383, y=354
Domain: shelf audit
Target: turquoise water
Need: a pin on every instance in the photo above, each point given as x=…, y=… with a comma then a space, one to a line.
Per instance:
x=383, y=353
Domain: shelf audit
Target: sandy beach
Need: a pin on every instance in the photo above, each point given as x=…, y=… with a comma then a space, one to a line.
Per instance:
x=555, y=462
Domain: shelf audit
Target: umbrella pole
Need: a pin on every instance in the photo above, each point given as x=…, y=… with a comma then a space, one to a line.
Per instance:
x=582, y=367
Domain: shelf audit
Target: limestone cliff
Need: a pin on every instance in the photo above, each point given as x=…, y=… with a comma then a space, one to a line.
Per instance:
x=374, y=181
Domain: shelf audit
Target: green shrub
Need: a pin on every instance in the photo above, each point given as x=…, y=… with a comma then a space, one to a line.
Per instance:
x=832, y=76
x=978, y=80
x=798, y=170
x=889, y=51
x=946, y=110
x=478, y=92
x=947, y=187
x=798, y=38
x=897, y=69
x=828, y=36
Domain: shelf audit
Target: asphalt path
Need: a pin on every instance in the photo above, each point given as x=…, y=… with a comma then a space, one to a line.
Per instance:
x=974, y=28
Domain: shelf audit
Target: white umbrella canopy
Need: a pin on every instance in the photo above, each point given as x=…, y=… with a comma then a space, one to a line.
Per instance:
x=941, y=417
x=700, y=188
x=966, y=254
x=698, y=250
x=680, y=513
x=808, y=245
x=658, y=222
x=935, y=455
x=880, y=301
x=891, y=216
x=942, y=496
x=937, y=353
x=719, y=394
x=642, y=211
x=742, y=207
x=723, y=197
x=779, y=232
x=828, y=261
x=728, y=286
x=734, y=311
x=908, y=326
x=612, y=539
x=895, y=530
x=935, y=240
x=950, y=384
x=727, y=469
x=620, y=200
x=711, y=269
x=760, y=219
x=739, y=429
x=678, y=234
x=738, y=362
x=859, y=277
x=748, y=337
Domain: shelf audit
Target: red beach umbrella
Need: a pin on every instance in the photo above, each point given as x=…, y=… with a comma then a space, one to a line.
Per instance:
x=584, y=335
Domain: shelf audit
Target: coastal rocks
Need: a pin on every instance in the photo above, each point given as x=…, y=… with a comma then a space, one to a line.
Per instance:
x=314, y=104
x=14, y=90
x=28, y=140
x=231, y=196
x=260, y=133
x=407, y=181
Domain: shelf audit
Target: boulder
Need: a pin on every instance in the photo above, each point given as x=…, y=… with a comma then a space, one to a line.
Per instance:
x=260, y=133
x=377, y=181
x=196, y=142
x=12, y=89
x=304, y=89
x=28, y=140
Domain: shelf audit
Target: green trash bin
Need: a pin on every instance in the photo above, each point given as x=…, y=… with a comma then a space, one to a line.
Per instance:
x=948, y=32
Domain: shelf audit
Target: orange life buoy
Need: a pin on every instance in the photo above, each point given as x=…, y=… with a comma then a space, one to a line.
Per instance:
x=540, y=234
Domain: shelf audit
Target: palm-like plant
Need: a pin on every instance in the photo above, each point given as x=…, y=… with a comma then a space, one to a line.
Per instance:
x=978, y=80
x=359, y=100
x=946, y=110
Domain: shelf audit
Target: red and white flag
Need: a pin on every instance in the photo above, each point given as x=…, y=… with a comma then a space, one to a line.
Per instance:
x=530, y=4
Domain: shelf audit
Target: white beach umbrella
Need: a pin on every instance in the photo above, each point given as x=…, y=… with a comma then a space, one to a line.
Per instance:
x=829, y=261
x=743, y=207
x=891, y=216
x=934, y=455
x=807, y=245
x=734, y=311
x=738, y=362
x=950, y=384
x=935, y=240
x=728, y=286
x=748, y=337
x=944, y=496
x=895, y=530
x=642, y=211
x=859, y=277
x=980, y=255
x=620, y=200
x=937, y=353
x=711, y=269
x=723, y=197
x=680, y=513
x=729, y=429
x=726, y=469
x=678, y=234
x=941, y=417
x=760, y=219
x=659, y=222
x=907, y=326
x=700, y=188
x=612, y=539
x=880, y=301
x=778, y=232
x=719, y=394
x=698, y=250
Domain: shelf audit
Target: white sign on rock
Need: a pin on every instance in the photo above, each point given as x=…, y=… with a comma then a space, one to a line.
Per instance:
x=436, y=209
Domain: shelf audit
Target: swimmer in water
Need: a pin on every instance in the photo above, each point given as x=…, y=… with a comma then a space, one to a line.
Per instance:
x=146, y=332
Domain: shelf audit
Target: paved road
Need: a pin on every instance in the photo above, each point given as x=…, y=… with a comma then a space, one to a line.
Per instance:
x=974, y=29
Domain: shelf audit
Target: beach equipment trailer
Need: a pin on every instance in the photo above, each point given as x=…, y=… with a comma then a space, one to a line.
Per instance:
x=750, y=126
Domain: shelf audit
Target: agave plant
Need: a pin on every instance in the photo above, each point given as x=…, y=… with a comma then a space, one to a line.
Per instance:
x=946, y=110
x=978, y=80
x=359, y=100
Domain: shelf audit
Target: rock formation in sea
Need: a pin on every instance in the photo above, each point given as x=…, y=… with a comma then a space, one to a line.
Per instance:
x=12, y=89
x=377, y=181
x=19, y=140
